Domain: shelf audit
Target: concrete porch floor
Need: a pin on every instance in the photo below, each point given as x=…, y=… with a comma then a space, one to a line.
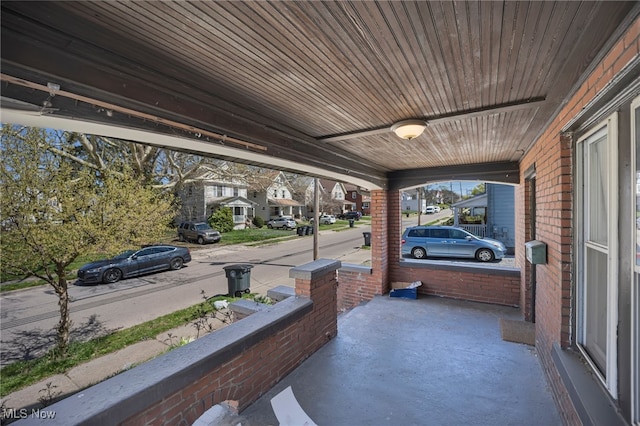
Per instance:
x=430, y=361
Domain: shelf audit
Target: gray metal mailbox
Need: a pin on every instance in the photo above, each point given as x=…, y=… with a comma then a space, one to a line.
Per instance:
x=536, y=252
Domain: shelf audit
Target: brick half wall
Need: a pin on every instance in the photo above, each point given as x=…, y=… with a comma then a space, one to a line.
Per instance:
x=487, y=284
x=237, y=363
x=356, y=284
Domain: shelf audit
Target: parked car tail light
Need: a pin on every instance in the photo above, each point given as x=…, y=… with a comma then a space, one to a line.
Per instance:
x=404, y=241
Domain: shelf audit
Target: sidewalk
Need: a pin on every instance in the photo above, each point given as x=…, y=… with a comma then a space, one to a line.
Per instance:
x=99, y=369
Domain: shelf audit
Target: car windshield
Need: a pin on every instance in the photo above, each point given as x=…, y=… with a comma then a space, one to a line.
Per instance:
x=473, y=235
x=202, y=226
x=125, y=254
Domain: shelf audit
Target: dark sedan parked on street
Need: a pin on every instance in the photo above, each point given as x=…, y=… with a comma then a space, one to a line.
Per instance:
x=132, y=263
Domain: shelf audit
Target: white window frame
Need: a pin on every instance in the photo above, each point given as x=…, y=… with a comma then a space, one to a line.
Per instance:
x=635, y=289
x=611, y=368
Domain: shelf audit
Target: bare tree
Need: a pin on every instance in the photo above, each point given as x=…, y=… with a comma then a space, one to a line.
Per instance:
x=160, y=167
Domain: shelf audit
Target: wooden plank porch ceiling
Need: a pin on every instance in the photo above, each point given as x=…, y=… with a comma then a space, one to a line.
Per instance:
x=301, y=81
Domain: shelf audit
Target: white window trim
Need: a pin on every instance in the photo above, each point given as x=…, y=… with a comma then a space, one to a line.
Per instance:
x=635, y=291
x=611, y=368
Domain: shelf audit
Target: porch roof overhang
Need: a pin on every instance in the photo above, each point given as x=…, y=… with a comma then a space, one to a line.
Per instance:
x=283, y=202
x=310, y=87
x=236, y=202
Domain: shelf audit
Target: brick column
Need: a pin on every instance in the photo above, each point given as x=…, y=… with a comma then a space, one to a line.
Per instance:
x=394, y=236
x=317, y=281
x=383, y=203
x=358, y=283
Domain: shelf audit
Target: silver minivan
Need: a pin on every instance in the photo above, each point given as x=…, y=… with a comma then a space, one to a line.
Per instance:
x=421, y=242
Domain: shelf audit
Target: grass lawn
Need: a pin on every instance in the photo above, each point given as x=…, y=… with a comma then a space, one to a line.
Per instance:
x=243, y=236
x=24, y=373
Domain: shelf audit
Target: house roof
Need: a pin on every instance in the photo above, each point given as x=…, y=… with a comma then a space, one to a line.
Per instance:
x=266, y=178
x=328, y=185
x=215, y=175
x=311, y=87
x=351, y=187
x=477, y=201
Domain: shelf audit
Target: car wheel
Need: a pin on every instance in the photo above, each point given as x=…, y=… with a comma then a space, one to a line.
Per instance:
x=484, y=255
x=180, y=237
x=200, y=240
x=419, y=253
x=111, y=276
x=270, y=226
x=176, y=263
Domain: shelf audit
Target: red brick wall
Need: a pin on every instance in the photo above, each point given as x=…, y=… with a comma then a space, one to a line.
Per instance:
x=361, y=285
x=526, y=304
x=356, y=285
x=563, y=401
x=246, y=377
x=382, y=204
x=322, y=324
x=395, y=235
x=554, y=220
x=490, y=286
x=552, y=156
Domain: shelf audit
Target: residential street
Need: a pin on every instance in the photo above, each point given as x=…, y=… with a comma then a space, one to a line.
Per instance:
x=29, y=316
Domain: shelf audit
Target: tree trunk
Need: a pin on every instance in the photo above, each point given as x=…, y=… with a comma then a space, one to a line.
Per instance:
x=64, y=323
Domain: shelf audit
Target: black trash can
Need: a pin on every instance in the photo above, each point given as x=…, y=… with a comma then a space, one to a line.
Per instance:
x=351, y=223
x=300, y=230
x=238, y=279
x=367, y=238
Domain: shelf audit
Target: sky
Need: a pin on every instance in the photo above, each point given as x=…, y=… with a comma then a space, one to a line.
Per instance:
x=466, y=186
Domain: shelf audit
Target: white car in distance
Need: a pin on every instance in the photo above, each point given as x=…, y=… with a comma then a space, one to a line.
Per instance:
x=432, y=209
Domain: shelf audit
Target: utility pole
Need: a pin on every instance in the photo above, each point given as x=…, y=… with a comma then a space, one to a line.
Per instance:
x=316, y=216
x=419, y=204
x=451, y=185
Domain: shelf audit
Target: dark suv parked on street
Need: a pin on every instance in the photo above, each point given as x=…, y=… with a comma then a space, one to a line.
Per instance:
x=349, y=215
x=200, y=232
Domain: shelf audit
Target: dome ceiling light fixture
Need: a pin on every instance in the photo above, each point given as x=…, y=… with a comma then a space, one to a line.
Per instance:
x=409, y=129
x=419, y=124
